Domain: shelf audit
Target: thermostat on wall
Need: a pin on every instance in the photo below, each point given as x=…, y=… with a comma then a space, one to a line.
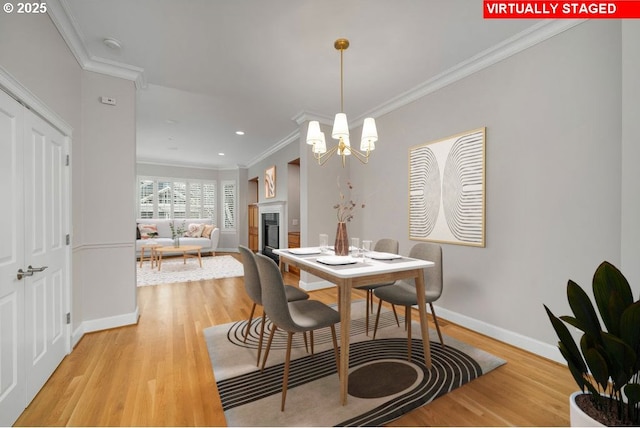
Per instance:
x=108, y=100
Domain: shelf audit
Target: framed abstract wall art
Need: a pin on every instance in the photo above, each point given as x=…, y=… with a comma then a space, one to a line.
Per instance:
x=447, y=190
x=270, y=182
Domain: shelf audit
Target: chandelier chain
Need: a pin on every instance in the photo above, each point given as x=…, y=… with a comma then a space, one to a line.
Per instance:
x=341, y=81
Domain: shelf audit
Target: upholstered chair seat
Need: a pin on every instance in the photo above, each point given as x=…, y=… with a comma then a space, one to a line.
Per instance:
x=403, y=293
x=254, y=291
x=293, y=317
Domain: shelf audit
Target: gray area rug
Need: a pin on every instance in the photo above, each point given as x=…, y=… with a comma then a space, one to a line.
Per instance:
x=176, y=270
x=251, y=398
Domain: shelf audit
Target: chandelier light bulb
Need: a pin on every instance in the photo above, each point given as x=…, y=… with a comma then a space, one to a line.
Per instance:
x=340, y=129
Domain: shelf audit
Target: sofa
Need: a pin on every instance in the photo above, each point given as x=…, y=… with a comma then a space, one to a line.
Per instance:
x=197, y=231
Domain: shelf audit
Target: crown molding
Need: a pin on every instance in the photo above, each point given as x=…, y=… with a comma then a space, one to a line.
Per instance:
x=190, y=165
x=62, y=18
x=306, y=116
x=59, y=12
x=25, y=97
x=295, y=135
x=521, y=41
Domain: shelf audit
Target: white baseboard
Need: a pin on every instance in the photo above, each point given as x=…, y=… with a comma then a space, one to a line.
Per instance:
x=512, y=338
x=104, y=324
x=77, y=335
x=226, y=250
x=515, y=339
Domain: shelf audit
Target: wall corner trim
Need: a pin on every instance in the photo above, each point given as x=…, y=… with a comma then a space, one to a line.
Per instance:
x=521, y=41
x=28, y=98
x=61, y=16
x=105, y=324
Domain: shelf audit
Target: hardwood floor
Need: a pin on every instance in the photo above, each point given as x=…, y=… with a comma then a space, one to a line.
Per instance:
x=157, y=373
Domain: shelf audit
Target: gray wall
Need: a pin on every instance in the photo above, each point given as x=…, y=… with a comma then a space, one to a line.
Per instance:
x=107, y=255
x=553, y=179
x=102, y=162
x=280, y=159
x=631, y=150
x=34, y=53
x=562, y=176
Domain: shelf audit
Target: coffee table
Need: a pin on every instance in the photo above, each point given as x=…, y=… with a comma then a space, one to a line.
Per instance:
x=153, y=256
x=184, y=249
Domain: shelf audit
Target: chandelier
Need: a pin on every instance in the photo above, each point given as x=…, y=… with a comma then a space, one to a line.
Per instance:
x=341, y=129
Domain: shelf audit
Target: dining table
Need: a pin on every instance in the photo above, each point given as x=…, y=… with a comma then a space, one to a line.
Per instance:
x=347, y=272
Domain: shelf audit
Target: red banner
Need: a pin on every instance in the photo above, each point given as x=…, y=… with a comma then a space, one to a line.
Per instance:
x=620, y=9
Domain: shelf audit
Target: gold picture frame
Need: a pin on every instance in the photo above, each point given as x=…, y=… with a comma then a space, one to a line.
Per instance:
x=447, y=190
x=270, y=182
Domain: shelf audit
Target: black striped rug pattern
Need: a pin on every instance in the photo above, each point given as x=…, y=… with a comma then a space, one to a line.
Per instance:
x=237, y=331
x=451, y=368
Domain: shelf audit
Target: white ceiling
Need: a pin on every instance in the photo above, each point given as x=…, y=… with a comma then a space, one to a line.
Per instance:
x=213, y=67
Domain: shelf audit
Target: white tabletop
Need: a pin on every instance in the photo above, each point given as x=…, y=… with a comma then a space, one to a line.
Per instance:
x=359, y=269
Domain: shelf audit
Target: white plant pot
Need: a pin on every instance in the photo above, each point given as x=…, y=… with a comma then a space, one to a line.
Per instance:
x=577, y=417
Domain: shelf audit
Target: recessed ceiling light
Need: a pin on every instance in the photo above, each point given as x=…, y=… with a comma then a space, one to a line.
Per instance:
x=239, y=132
x=112, y=43
x=220, y=154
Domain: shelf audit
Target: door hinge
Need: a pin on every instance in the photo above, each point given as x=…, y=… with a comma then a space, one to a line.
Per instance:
x=68, y=239
x=67, y=161
x=68, y=317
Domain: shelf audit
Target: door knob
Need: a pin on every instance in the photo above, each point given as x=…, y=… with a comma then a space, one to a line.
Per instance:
x=32, y=269
x=22, y=274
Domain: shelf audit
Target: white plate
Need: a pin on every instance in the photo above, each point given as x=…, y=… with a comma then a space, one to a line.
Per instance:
x=304, y=251
x=337, y=260
x=383, y=256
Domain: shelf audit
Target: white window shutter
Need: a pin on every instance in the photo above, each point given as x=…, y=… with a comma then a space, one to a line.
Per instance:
x=229, y=204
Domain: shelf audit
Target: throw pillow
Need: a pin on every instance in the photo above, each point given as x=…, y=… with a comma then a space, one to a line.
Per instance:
x=138, y=231
x=206, y=232
x=194, y=230
x=148, y=231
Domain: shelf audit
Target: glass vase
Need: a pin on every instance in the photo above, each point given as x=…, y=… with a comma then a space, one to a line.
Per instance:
x=176, y=241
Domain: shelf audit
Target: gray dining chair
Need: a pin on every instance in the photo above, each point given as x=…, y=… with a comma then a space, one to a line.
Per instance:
x=293, y=317
x=254, y=290
x=385, y=245
x=403, y=293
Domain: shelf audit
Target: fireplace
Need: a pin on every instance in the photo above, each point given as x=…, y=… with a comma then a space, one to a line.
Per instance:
x=271, y=235
x=272, y=230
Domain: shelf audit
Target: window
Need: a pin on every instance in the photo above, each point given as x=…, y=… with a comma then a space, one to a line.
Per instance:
x=195, y=200
x=179, y=200
x=166, y=198
x=209, y=200
x=229, y=205
x=147, y=198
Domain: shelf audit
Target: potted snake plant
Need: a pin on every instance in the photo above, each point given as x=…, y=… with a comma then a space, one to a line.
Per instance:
x=606, y=364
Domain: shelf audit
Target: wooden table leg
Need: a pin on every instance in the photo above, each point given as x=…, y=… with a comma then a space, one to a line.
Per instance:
x=154, y=257
x=142, y=258
x=344, y=304
x=422, y=309
x=199, y=258
x=160, y=261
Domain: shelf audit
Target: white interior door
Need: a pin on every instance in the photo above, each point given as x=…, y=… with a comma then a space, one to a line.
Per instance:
x=34, y=334
x=12, y=372
x=45, y=251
